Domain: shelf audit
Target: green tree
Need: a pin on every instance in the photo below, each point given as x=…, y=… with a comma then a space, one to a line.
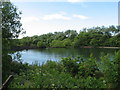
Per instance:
x=71, y=34
x=11, y=28
x=66, y=42
x=59, y=36
x=41, y=44
x=57, y=43
x=82, y=39
x=115, y=41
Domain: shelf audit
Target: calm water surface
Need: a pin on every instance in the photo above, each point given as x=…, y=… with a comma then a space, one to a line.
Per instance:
x=55, y=54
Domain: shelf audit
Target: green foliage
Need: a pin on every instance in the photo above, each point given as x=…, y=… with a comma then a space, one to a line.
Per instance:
x=71, y=73
x=71, y=65
x=41, y=44
x=71, y=34
x=11, y=28
x=88, y=68
x=96, y=36
x=6, y=66
x=57, y=43
x=111, y=70
x=66, y=42
x=115, y=41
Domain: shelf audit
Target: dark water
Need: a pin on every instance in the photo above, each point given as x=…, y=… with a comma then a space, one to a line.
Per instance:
x=55, y=54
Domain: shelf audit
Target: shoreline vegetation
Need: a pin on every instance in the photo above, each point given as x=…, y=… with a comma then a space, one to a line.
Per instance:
x=17, y=48
x=69, y=73
x=100, y=47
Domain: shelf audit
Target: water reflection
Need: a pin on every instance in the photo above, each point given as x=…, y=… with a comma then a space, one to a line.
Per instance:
x=55, y=54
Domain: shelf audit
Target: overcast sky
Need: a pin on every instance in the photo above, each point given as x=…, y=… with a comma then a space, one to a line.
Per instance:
x=44, y=17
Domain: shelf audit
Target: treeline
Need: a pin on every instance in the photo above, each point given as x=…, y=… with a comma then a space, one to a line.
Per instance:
x=96, y=36
x=71, y=73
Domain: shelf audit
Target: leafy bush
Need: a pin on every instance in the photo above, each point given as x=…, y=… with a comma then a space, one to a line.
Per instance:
x=111, y=70
x=71, y=73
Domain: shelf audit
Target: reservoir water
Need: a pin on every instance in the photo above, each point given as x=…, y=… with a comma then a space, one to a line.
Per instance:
x=55, y=54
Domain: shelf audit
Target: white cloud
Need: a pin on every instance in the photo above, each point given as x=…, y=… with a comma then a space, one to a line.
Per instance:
x=56, y=16
x=29, y=19
x=80, y=16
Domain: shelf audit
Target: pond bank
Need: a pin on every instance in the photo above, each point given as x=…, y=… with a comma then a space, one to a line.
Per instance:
x=100, y=47
x=18, y=48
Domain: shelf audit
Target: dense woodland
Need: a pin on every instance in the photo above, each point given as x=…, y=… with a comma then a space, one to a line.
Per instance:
x=96, y=36
x=69, y=72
